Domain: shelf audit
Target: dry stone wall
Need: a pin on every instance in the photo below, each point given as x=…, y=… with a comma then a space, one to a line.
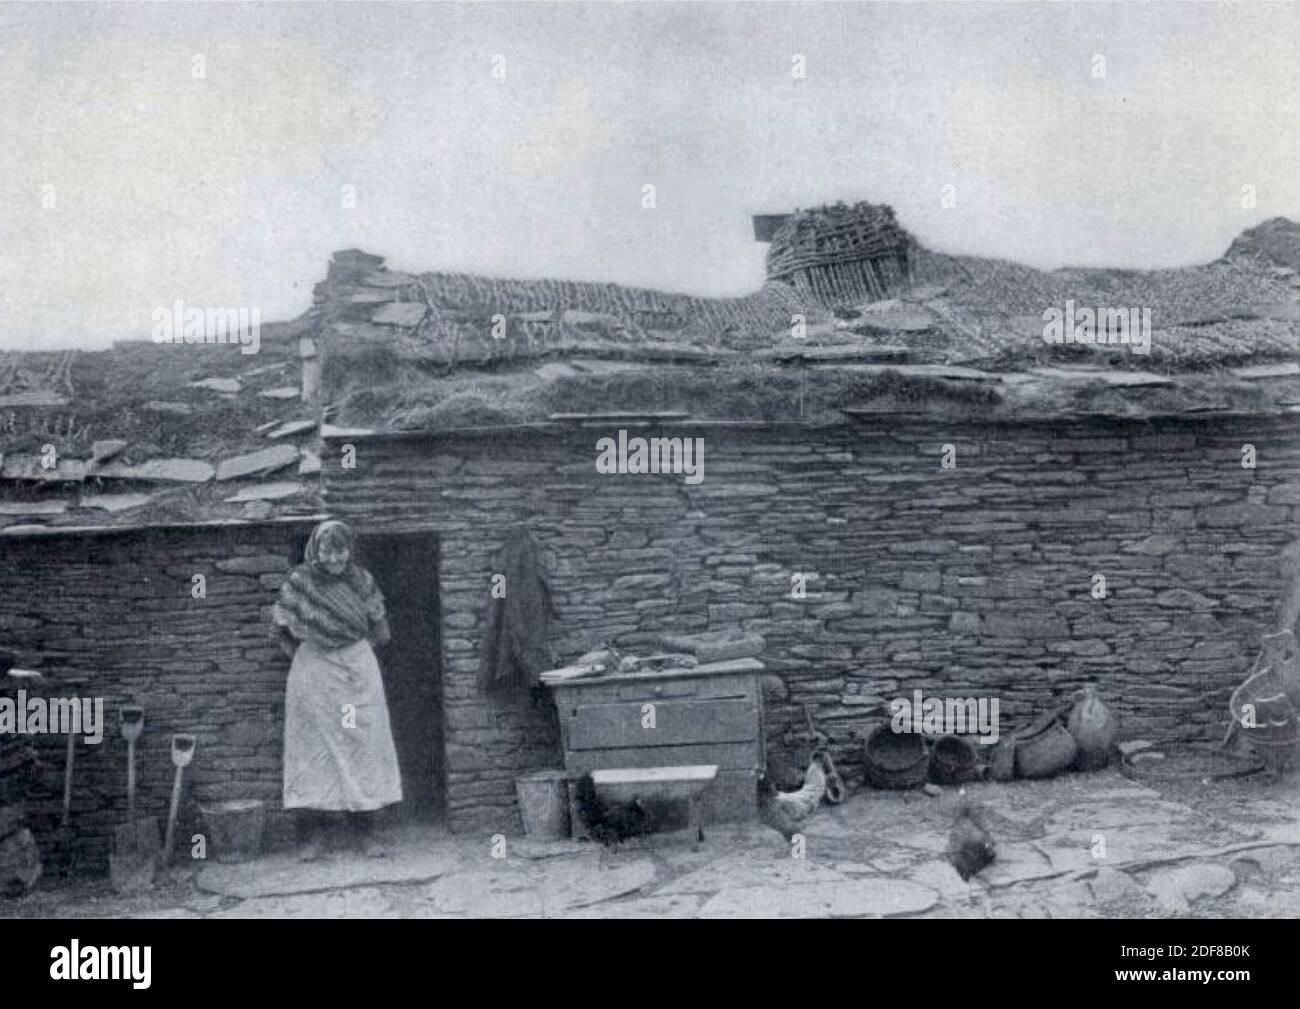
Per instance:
x=970, y=581
x=117, y=612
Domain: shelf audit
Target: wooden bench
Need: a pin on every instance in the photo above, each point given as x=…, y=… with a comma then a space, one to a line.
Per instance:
x=685, y=783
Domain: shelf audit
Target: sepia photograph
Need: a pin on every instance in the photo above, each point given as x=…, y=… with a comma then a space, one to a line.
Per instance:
x=650, y=460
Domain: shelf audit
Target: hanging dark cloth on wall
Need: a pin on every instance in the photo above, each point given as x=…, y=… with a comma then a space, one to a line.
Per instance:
x=516, y=640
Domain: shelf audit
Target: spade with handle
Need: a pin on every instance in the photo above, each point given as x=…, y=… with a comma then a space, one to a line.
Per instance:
x=182, y=754
x=135, y=843
x=132, y=724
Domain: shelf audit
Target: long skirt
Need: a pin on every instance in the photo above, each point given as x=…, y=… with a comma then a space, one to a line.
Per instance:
x=338, y=745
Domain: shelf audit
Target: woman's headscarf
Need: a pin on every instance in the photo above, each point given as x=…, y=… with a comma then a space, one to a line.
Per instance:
x=327, y=609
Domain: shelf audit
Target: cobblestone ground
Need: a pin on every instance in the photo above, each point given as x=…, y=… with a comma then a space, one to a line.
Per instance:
x=1095, y=845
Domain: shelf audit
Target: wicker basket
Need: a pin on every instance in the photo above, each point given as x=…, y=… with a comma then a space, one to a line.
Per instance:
x=1047, y=752
x=953, y=761
x=895, y=759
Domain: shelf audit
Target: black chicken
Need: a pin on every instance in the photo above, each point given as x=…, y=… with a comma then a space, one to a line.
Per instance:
x=970, y=845
x=611, y=823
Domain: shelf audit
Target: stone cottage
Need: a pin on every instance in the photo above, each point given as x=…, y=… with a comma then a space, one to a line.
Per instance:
x=916, y=492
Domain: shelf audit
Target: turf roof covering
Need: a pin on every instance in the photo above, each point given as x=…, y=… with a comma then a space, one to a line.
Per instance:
x=962, y=336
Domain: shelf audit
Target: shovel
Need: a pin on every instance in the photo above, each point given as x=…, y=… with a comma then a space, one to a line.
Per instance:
x=135, y=844
x=182, y=754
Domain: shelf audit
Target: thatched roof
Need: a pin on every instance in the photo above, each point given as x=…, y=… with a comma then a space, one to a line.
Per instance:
x=439, y=351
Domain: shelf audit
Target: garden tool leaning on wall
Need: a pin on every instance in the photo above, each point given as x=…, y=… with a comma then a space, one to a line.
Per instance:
x=135, y=844
x=182, y=754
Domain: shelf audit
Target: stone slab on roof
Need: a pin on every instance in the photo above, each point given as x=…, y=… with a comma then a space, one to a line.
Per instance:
x=115, y=502
x=292, y=427
x=271, y=491
x=161, y=470
x=33, y=508
x=105, y=449
x=268, y=460
x=1283, y=369
x=1113, y=377
x=400, y=313
x=34, y=397
x=33, y=468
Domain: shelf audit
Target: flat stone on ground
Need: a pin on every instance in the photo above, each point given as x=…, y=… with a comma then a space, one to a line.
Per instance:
x=679, y=906
x=282, y=874
x=363, y=902
x=1177, y=888
x=518, y=889
x=773, y=866
x=859, y=898
x=1112, y=885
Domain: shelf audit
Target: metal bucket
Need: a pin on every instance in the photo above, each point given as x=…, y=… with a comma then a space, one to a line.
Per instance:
x=235, y=829
x=544, y=804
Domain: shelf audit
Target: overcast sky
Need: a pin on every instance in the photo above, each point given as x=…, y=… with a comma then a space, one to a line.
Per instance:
x=228, y=189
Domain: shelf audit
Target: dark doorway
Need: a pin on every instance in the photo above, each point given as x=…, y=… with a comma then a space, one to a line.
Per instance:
x=406, y=567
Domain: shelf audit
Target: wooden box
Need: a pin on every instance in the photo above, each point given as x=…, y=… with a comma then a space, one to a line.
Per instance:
x=708, y=714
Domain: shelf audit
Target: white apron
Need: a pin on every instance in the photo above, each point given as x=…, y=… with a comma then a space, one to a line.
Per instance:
x=338, y=746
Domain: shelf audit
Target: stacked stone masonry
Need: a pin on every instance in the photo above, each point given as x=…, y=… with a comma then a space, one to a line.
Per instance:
x=970, y=581
x=117, y=612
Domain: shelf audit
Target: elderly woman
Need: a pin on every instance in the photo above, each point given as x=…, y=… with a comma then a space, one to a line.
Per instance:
x=339, y=758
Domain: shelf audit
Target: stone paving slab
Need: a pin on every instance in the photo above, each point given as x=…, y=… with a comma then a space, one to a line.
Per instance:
x=859, y=898
x=277, y=875
x=1073, y=852
x=359, y=902
x=754, y=869
x=1100, y=814
x=1176, y=889
x=522, y=889
x=1223, y=850
x=682, y=905
x=1019, y=862
x=940, y=876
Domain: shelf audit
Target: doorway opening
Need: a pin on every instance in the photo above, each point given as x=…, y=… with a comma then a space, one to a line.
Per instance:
x=406, y=567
